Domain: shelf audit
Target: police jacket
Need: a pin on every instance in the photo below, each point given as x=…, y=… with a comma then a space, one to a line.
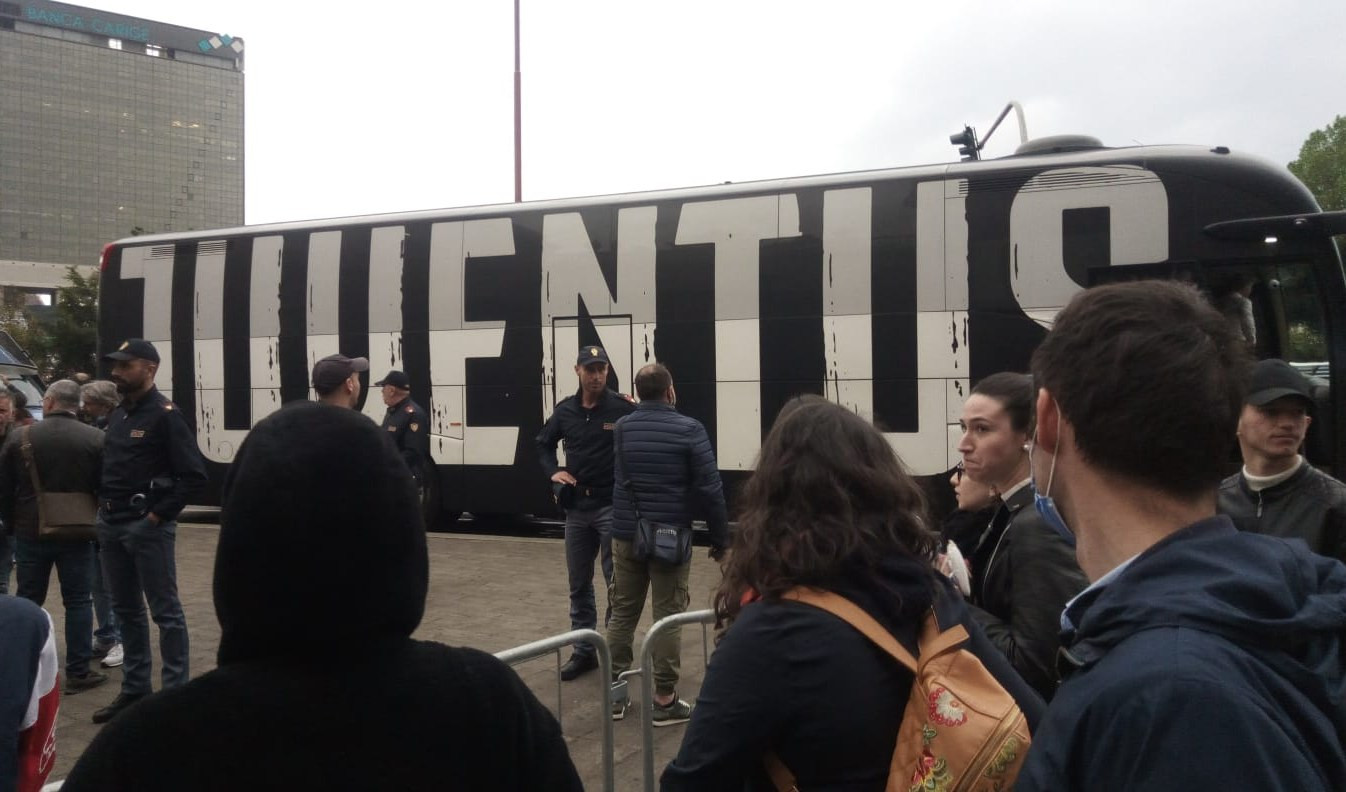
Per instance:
x=1213, y=661
x=69, y=458
x=798, y=681
x=149, y=449
x=670, y=465
x=1310, y=505
x=409, y=427
x=587, y=434
x=1020, y=591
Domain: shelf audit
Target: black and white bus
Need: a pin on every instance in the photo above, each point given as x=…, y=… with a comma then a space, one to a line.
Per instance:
x=887, y=291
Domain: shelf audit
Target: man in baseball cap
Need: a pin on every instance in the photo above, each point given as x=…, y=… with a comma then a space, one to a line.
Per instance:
x=407, y=424
x=336, y=380
x=583, y=489
x=134, y=349
x=1277, y=492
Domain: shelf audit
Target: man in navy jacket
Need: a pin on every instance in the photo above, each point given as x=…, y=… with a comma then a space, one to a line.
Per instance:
x=1200, y=657
x=666, y=468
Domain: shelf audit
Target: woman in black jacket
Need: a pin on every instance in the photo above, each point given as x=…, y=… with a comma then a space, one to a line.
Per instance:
x=830, y=507
x=1023, y=573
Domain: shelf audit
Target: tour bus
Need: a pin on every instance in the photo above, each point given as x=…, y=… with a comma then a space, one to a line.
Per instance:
x=887, y=291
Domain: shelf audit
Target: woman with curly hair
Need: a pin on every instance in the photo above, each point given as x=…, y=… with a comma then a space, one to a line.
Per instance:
x=829, y=507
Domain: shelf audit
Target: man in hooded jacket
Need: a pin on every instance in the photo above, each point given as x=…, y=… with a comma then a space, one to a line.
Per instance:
x=316, y=495
x=1200, y=657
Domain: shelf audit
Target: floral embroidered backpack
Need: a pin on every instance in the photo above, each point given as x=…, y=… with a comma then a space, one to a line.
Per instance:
x=961, y=732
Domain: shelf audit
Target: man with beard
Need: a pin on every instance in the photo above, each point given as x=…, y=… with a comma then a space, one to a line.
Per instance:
x=583, y=488
x=150, y=465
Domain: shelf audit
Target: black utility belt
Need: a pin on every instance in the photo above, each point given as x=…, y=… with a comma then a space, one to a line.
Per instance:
x=120, y=509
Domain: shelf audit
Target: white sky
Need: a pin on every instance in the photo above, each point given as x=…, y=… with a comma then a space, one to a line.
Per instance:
x=391, y=106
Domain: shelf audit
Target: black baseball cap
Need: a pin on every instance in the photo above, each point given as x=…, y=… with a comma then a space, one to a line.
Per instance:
x=333, y=370
x=133, y=348
x=592, y=354
x=397, y=379
x=1273, y=379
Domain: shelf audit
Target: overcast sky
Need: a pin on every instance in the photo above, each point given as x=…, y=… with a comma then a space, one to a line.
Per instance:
x=391, y=106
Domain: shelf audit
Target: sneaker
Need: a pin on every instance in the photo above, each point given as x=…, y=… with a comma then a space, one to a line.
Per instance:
x=101, y=649
x=121, y=702
x=677, y=711
x=115, y=656
x=85, y=681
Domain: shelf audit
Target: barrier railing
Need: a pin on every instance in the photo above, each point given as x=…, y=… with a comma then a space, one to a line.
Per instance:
x=555, y=644
x=675, y=622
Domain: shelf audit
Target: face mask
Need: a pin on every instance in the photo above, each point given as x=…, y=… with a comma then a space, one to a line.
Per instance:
x=1042, y=502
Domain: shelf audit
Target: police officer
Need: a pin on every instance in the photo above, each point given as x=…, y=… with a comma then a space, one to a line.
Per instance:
x=406, y=422
x=584, y=422
x=150, y=466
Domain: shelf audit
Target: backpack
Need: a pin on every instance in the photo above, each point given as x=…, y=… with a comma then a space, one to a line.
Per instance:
x=961, y=731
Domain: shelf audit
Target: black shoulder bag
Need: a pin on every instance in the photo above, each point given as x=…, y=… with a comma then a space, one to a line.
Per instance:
x=654, y=541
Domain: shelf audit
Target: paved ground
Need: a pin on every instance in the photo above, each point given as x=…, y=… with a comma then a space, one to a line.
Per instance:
x=489, y=592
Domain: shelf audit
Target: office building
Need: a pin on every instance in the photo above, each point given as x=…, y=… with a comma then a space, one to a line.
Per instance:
x=109, y=126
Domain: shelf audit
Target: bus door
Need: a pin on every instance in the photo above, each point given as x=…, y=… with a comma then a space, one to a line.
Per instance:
x=1278, y=307
x=613, y=333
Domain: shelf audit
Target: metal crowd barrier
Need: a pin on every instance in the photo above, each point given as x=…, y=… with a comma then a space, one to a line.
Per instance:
x=555, y=644
x=646, y=673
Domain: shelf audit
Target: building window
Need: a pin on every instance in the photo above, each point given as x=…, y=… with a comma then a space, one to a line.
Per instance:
x=114, y=43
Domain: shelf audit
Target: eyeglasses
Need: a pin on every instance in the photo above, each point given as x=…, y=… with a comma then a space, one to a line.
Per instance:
x=958, y=473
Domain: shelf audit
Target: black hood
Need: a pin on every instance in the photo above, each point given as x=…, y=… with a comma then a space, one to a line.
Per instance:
x=321, y=537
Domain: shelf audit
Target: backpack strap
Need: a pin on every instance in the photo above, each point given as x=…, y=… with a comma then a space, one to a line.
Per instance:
x=856, y=617
x=27, y=448
x=933, y=642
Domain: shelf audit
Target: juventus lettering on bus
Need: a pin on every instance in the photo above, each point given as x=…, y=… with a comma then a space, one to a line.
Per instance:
x=887, y=292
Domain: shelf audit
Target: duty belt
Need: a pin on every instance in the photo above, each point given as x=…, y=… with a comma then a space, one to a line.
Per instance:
x=124, y=508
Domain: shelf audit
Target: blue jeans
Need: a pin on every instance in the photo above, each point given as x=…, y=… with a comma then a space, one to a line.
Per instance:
x=588, y=533
x=108, y=632
x=138, y=557
x=74, y=569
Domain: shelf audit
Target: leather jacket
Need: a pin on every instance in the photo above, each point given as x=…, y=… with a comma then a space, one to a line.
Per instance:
x=1310, y=505
x=1030, y=575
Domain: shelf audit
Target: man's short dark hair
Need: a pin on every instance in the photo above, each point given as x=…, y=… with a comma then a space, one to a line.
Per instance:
x=653, y=382
x=1152, y=379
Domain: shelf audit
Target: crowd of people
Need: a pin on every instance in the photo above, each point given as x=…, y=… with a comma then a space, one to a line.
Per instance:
x=1139, y=618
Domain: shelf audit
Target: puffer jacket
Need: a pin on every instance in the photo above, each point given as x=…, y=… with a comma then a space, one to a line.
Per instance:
x=672, y=469
x=1310, y=505
x=1018, y=598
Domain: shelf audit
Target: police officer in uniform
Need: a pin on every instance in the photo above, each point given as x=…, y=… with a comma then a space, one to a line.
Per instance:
x=583, y=488
x=406, y=422
x=150, y=466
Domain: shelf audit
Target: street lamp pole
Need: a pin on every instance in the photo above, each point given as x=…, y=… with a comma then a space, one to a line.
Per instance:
x=518, y=113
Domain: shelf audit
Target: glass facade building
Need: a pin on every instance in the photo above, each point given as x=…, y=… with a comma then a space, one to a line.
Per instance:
x=112, y=125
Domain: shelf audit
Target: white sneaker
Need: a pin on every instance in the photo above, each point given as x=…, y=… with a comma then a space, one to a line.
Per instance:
x=114, y=658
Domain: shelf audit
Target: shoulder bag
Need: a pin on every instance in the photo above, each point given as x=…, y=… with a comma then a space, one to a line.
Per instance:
x=61, y=516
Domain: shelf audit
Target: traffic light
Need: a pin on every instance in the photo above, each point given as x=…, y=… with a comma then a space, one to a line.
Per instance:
x=966, y=141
